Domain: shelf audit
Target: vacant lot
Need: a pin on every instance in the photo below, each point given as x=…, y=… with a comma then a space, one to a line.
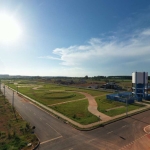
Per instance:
x=15, y=133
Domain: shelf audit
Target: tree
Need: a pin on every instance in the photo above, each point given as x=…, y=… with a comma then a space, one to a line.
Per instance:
x=86, y=77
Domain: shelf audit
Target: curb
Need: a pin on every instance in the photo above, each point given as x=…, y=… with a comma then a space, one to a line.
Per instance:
x=97, y=124
x=37, y=145
x=145, y=129
x=35, y=134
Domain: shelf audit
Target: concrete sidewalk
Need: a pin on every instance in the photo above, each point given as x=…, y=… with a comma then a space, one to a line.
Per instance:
x=92, y=108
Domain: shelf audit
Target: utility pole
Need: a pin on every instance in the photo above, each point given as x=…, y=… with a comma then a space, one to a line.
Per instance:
x=126, y=107
x=4, y=92
x=17, y=88
x=0, y=85
x=13, y=100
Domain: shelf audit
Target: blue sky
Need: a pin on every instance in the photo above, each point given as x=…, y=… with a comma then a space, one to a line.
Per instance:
x=77, y=37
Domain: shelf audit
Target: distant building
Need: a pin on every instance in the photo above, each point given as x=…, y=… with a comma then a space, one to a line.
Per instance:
x=140, y=85
x=111, y=85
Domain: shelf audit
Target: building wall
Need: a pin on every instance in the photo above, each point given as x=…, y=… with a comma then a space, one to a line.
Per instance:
x=140, y=77
x=139, y=84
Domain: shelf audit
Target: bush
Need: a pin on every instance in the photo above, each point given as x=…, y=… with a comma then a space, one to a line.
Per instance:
x=27, y=126
x=9, y=135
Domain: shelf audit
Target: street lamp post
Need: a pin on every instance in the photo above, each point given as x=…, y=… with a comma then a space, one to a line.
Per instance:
x=0, y=85
x=4, y=92
x=17, y=88
x=13, y=100
x=126, y=107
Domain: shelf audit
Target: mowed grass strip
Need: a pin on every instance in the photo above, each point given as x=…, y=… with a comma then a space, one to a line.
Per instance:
x=77, y=111
x=105, y=104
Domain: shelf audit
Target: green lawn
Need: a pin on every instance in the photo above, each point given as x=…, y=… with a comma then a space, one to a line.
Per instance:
x=49, y=94
x=77, y=111
x=104, y=104
x=48, y=97
x=118, y=111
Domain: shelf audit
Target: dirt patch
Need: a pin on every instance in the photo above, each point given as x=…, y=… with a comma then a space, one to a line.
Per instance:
x=114, y=108
x=35, y=88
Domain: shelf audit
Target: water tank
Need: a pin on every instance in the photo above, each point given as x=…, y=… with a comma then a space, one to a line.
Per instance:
x=140, y=77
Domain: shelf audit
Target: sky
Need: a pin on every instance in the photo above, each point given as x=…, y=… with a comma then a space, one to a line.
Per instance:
x=74, y=37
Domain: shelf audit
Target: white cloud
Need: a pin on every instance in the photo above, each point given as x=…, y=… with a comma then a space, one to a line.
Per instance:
x=49, y=57
x=146, y=32
x=96, y=49
x=99, y=53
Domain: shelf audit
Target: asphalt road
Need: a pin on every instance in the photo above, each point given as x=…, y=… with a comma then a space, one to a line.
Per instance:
x=54, y=134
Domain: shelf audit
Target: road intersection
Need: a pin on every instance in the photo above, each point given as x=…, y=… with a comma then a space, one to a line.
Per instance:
x=54, y=134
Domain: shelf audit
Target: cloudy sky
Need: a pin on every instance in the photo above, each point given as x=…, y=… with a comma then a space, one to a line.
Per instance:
x=74, y=37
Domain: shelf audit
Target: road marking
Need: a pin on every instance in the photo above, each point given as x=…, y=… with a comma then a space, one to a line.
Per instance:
x=50, y=140
x=126, y=146
x=53, y=128
x=91, y=140
x=145, y=129
x=124, y=126
x=109, y=132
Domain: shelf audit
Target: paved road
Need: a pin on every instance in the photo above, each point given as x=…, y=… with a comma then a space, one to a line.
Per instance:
x=54, y=134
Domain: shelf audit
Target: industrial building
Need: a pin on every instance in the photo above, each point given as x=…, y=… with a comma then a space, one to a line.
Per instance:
x=139, y=89
x=140, y=85
x=125, y=97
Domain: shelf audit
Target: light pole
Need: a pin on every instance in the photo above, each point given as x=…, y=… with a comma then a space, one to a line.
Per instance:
x=4, y=92
x=126, y=107
x=0, y=85
x=8, y=84
x=13, y=100
x=17, y=88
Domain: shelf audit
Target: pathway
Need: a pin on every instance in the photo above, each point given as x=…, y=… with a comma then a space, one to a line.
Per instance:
x=37, y=104
x=93, y=107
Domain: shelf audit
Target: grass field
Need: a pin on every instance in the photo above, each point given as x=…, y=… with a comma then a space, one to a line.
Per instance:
x=15, y=133
x=104, y=105
x=49, y=94
x=45, y=96
x=77, y=111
